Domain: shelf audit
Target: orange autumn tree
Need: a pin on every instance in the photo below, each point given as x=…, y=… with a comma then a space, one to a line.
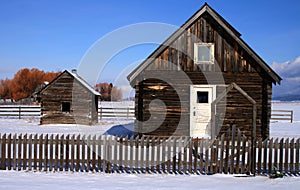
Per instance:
x=5, y=92
x=108, y=92
x=27, y=80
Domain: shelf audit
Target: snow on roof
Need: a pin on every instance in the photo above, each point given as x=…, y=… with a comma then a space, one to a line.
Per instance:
x=84, y=83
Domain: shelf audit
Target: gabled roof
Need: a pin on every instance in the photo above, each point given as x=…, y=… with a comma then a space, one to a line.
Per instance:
x=224, y=24
x=78, y=79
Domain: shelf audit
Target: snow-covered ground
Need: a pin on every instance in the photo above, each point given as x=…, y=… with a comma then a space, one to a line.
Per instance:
x=69, y=180
x=77, y=181
x=285, y=129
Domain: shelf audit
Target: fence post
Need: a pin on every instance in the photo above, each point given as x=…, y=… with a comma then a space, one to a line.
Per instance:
x=292, y=113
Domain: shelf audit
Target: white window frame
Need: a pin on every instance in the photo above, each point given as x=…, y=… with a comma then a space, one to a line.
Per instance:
x=212, y=53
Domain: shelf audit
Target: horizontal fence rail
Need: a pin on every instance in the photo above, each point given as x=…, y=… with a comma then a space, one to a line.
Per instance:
x=229, y=154
x=282, y=115
x=103, y=112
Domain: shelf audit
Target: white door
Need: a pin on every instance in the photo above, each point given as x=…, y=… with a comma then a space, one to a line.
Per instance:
x=200, y=110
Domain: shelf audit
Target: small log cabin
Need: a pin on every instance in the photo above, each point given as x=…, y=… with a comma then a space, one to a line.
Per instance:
x=203, y=79
x=69, y=99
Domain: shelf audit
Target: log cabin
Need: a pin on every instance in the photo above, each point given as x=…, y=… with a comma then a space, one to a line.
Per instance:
x=202, y=80
x=69, y=99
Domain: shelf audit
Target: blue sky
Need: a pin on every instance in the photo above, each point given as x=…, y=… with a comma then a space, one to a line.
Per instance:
x=54, y=35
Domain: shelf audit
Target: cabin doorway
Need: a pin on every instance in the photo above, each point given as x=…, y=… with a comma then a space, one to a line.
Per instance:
x=201, y=97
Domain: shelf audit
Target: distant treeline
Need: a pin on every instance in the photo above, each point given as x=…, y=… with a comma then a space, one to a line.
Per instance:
x=28, y=81
x=24, y=83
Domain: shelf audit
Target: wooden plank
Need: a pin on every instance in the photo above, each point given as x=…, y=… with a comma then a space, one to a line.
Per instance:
x=244, y=148
x=72, y=153
x=270, y=162
x=126, y=160
x=185, y=160
x=121, y=147
x=207, y=162
x=67, y=152
x=131, y=154
x=8, y=149
x=152, y=159
x=174, y=155
x=3, y=152
x=226, y=168
x=158, y=155
x=137, y=153
x=275, y=162
x=147, y=155
x=40, y=152
x=179, y=156
x=100, y=161
x=51, y=159
x=221, y=164
x=215, y=150
x=46, y=152
x=195, y=154
x=14, y=152
x=281, y=156
x=286, y=156
x=77, y=167
x=163, y=154
x=297, y=155
x=265, y=154
x=292, y=143
x=233, y=148
x=202, y=160
x=109, y=153
x=83, y=153
x=259, y=156
x=30, y=152
x=190, y=154
x=56, y=159
x=94, y=153
x=237, y=167
x=25, y=152
x=61, y=153
x=169, y=145
x=88, y=153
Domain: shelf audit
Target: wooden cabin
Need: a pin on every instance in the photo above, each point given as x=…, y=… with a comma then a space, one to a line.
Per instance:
x=202, y=80
x=69, y=99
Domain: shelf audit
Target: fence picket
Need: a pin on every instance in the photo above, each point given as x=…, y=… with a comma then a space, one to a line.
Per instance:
x=292, y=156
x=56, y=145
x=51, y=153
x=286, y=156
x=14, y=152
x=46, y=153
x=147, y=155
x=190, y=154
x=100, y=158
x=24, y=152
x=158, y=156
x=270, y=162
x=61, y=152
x=9, y=148
x=72, y=143
x=29, y=152
x=78, y=160
x=131, y=154
x=244, y=149
x=3, y=152
x=275, y=162
x=265, y=152
x=281, y=156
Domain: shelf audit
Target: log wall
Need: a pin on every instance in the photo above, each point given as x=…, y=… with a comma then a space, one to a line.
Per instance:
x=231, y=61
x=66, y=89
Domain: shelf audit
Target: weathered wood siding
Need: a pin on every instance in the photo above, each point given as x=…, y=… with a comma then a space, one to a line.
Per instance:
x=66, y=89
x=233, y=62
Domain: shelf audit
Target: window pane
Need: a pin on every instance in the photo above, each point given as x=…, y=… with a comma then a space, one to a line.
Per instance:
x=202, y=97
x=204, y=53
x=65, y=106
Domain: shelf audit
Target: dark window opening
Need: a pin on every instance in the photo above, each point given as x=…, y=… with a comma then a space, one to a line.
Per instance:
x=66, y=107
x=202, y=97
